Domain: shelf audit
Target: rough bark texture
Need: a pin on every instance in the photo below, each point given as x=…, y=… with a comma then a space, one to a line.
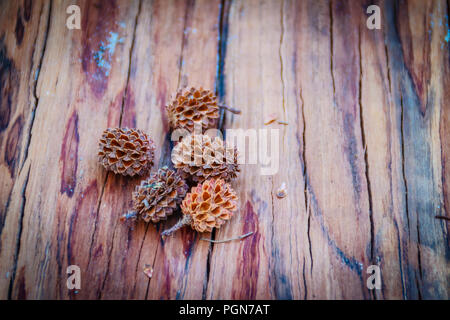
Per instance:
x=364, y=154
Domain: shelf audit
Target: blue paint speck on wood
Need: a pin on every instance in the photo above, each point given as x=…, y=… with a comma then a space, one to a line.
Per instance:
x=105, y=53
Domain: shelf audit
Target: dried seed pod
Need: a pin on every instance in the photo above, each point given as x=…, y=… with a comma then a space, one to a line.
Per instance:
x=158, y=196
x=209, y=205
x=193, y=107
x=200, y=157
x=126, y=151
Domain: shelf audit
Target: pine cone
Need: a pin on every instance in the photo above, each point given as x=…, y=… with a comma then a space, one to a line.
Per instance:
x=200, y=157
x=193, y=107
x=158, y=196
x=126, y=151
x=207, y=206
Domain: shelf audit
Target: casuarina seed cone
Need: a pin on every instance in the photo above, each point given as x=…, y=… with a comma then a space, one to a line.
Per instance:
x=200, y=157
x=126, y=151
x=193, y=107
x=209, y=205
x=158, y=196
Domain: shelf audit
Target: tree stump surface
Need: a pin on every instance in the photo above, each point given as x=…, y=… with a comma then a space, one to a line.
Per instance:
x=364, y=147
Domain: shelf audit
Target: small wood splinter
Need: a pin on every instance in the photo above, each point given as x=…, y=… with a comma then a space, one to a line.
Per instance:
x=231, y=239
x=148, y=270
x=271, y=118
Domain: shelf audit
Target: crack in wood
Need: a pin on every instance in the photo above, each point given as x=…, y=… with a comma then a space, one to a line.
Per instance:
x=130, y=57
x=365, y=148
x=304, y=281
x=332, y=50
x=19, y=235
x=272, y=229
x=221, y=53
x=405, y=182
x=34, y=91
x=139, y=257
x=306, y=180
x=388, y=67
x=160, y=243
x=366, y=156
x=100, y=293
x=96, y=218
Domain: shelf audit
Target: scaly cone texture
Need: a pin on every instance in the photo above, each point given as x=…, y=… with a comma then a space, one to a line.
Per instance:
x=126, y=151
x=200, y=157
x=194, y=107
x=158, y=196
x=209, y=205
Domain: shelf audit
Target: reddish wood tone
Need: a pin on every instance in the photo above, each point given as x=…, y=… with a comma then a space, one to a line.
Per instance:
x=364, y=151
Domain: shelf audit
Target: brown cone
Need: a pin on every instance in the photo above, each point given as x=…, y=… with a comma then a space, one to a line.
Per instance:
x=158, y=196
x=193, y=107
x=209, y=205
x=200, y=157
x=126, y=151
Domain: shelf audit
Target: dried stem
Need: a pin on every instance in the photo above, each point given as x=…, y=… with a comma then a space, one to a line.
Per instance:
x=186, y=220
x=232, y=110
x=231, y=239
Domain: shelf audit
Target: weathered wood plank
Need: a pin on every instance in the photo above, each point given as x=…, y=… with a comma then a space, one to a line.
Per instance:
x=327, y=70
x=336, y=190
x=80, y=93
x=153, y=76
x=383, y=149
x=181, y=260
x=23, y=26
x=416, y=56
x=253, y=83
x=364, y=153
x=180, y=54
x=364, y=158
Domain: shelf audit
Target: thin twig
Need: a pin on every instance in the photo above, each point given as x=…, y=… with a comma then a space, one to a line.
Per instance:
x=180, y=223
x=443, y=218
x=227, y=240
x=232, y=110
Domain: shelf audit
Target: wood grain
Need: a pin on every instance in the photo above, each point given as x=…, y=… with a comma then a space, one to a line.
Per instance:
x=364, y=150
x=21, y=51
x=182, y=259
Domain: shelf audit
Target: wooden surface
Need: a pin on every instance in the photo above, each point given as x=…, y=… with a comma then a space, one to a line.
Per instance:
x=365, y=154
